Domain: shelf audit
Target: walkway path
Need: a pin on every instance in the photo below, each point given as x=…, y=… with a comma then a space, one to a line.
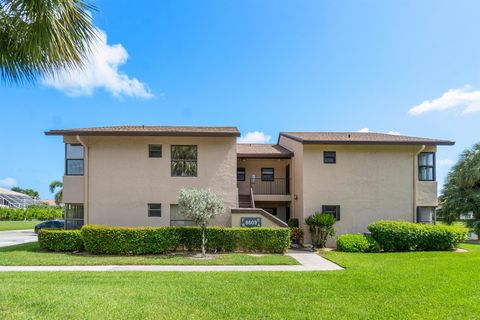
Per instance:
x=12, y=237
x=308, y=262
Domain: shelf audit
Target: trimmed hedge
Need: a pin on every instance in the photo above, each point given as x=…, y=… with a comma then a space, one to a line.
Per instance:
x=60, y=240
x=356, y=243
x=408, y=236
x=122, y=240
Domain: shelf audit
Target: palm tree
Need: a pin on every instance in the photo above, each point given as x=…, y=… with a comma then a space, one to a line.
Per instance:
x=54, y=185
x=39, y=37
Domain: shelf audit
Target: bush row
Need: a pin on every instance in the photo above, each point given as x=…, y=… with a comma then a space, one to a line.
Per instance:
x=60, y=240
x=149, y=240
x=356, y=243
x=408, y=236
x=32, y=212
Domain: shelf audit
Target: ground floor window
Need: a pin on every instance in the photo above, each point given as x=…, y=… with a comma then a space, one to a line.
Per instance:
x=73, y=216
x=272, y=211
x=177, y=219
x=426, y=215
x=154, y=209
x=332, y=209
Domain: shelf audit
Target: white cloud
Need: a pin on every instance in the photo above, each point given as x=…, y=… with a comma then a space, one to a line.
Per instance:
x=395, y=133
x=465, y=98
x=254, y=137
x=389, y=132
x=8, y=182
x=100, y=71
x=445, y=162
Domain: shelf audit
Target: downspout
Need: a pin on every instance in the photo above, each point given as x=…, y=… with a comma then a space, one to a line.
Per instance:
x=86, y=179
x=415, y=178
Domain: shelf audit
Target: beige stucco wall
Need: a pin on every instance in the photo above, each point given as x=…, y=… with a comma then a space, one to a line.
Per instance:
x=296, y=187
x=254, y=167
x=74, y=187
x=368, y=182
x=122, y=178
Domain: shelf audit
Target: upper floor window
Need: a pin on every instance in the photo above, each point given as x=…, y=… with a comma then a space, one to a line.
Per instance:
x=268, y=174
x=329, y=157
x=155, y=150
x=184, y=161
x=73, y=159
x=426, y=166
x=240, y=174
x=333, y=210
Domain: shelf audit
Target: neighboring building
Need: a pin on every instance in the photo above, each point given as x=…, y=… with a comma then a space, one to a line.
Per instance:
x=131, y=175
x=16, y=200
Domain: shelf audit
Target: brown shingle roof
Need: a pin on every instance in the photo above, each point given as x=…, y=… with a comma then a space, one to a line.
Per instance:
x=245, y=150
x=149, y=131
x=359, y=138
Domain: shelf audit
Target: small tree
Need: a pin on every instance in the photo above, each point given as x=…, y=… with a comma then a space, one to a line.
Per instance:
x=201, y=206
x=321, y=227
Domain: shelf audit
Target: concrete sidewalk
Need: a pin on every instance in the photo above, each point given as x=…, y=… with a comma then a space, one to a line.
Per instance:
x=308, y=262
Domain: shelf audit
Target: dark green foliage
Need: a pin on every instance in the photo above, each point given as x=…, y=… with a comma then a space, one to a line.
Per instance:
x=321, y=227
x=60, y=240
x=29, y=192
x=356, y=243
x=120, y=240
x=408, y=236
x=123, y=240
x=293, y=223
x=42, y=212
x=461, y=192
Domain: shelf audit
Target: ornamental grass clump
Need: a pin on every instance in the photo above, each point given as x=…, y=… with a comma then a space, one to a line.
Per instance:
x=321, y=227
x=201, y=206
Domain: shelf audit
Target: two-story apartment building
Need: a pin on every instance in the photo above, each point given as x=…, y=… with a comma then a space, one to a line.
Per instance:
x=131, y=176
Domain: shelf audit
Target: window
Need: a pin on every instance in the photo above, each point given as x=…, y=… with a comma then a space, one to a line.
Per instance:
x=155, y=150
x=426, y=166
x=426, y=215
x=240, y=174
x=272, y=211
x=184, y=161
x=73, y=159
x=177, y=219
x=73, y=216
x=268, y=174
x=334, y=210
x=154, y=209
x=329, y=157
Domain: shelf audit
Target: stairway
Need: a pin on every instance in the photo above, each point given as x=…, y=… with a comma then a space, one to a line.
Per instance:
x=244, y=201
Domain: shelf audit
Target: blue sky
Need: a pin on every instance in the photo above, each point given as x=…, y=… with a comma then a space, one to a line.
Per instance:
x=265, y=66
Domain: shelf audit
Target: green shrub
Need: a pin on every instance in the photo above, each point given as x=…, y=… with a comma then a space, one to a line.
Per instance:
x=60, y=240
x=321, y=227
x=121, y=240
x=408, y=236
x=293, y=223
x=40, y=212
x=124, y=240
x=356, y=243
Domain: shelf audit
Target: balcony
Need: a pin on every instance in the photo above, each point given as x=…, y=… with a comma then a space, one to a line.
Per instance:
x=276, y=186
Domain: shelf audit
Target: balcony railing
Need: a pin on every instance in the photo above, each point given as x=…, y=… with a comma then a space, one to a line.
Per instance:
x=275, y=186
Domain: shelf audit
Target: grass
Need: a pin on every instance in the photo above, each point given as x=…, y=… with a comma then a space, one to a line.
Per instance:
x=415, y=285
x=17, y=225
x=29, y=254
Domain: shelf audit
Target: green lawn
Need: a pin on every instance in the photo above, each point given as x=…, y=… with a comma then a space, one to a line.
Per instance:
x=416, y=285
x=28, y=254
x=17, y=225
